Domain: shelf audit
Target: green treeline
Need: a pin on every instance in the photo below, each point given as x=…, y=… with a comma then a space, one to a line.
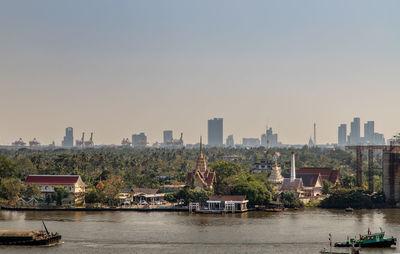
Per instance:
x=107, y=170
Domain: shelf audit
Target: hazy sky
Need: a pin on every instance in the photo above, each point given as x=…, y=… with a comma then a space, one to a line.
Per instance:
x=122, y=67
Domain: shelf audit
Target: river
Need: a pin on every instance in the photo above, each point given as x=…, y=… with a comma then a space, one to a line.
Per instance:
x=301, y=231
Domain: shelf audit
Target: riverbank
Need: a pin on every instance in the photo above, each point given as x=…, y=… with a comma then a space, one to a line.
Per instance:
x=96, y=209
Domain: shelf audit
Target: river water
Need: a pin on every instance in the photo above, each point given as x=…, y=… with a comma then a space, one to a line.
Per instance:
x=301, y=231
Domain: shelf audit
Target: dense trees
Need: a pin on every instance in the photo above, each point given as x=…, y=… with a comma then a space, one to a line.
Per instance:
x=152, y=168
x=354, y=198
x=142, y=168
x=10, y=188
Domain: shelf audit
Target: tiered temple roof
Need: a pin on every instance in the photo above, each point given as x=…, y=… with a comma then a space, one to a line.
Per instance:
x=201, y=177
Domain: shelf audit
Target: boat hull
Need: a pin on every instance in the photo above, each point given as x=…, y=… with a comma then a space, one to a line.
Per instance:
x=43, y=241
x=380, y=244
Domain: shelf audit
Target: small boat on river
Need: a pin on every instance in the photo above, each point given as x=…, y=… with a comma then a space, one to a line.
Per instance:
x=374, y=240
x=28, y=237
x=352, y=250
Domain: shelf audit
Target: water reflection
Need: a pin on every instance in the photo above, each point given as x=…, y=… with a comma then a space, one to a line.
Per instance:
x=301, y=231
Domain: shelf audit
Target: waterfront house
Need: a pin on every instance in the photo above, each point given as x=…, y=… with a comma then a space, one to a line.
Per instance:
x=71, y=183
x=227, y=203
x=146, y=196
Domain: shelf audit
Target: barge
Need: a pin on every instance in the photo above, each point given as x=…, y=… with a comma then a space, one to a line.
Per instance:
x=28, y=237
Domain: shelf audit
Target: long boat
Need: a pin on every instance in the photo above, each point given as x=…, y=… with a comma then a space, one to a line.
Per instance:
x=28, y=237
x=373, y=240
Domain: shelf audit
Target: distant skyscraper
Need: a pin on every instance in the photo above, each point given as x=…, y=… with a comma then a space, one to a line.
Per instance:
x=68, y=138
x=229, y=141
x=355, y=131
x=369, y=132
x=168, y=137
x=215, y=132
x=139, y=140
x=269, y=139
x=342, y=135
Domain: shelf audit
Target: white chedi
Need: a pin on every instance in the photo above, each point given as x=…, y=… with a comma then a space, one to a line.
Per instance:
x=276, y=176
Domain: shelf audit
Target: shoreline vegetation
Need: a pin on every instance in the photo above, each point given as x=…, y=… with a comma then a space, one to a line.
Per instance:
x=108, y=170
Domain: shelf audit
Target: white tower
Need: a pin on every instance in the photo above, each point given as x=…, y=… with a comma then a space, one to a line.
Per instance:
x=293, y=169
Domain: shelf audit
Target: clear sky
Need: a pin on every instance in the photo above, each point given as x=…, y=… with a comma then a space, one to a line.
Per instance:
x=122, y=67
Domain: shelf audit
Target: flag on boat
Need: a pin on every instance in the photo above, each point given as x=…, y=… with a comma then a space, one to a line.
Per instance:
x=369, y=231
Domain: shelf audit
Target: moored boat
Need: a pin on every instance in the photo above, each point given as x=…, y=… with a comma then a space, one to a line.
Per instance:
x=373, y=240
x=28, y=237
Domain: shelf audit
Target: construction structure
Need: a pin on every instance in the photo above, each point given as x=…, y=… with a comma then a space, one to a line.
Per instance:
x=170, y=142
x=126, y=142
x=90, y=142
x=34, y=143
x=390, y=170
x=85, y=144
x=18, y=143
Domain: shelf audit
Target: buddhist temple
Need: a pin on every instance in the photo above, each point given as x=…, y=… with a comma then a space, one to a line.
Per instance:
x=201, y=177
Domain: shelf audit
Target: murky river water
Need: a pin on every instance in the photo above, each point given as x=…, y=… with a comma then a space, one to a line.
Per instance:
x=302, y=231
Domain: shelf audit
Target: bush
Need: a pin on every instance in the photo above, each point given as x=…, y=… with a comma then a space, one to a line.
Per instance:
x=170, y=197
x=354, y=198
x=290, y=200
x=191, y=195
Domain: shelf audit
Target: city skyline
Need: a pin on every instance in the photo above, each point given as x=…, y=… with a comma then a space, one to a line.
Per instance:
x=130, y=67
x=215, y=125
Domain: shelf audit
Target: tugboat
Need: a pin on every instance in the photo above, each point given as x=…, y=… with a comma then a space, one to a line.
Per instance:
x=28, y=237
x=374, y=240
x=353, y=250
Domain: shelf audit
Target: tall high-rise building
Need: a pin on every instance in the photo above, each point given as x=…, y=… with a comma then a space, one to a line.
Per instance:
x=215, y=132
x=68, y=138
x=355, y=131
x=342, y=135
x=369, y=132
x=229, y=141
x=139, y=140
x=269, y=139
x=168, y=137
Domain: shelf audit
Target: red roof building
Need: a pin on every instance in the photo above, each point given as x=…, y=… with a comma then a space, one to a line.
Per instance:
x=312, y=184
x=47, y=183
x=329, y=174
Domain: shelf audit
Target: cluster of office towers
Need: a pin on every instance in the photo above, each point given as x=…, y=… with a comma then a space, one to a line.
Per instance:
x=354, y=137
x=215, y=131
x=215, y=138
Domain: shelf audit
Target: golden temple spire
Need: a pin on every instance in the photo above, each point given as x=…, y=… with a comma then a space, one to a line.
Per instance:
x=201, y=147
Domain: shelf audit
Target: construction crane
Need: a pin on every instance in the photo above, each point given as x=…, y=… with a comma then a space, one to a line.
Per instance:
x=34, y=143
x=90, y=142
x=126, y=142
x=18, y=143
x=81, y=142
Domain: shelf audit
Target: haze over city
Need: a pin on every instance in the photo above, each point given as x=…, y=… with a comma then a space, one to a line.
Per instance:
x=118, y=68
